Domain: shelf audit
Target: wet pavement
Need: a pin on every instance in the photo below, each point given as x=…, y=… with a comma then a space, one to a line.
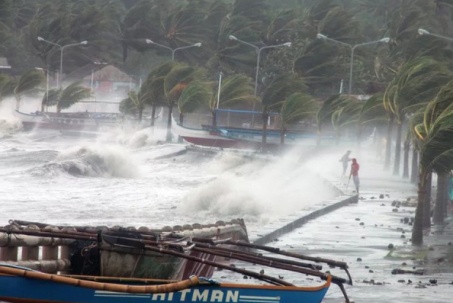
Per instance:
x=373, y=237
x=360, y=235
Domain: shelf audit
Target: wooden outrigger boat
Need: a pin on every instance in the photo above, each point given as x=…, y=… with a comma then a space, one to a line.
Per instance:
x=88, y=121
x=227, y=136
x=18, y=285
x=100, y=251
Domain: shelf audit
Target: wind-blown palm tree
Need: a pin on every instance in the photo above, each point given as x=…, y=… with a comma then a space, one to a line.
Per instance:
x=27, y=82
x=416, y=83
x=436, y=154
x=72, y=94
x=133, y=104
x=174, y=83
x=234, y=90
x=66, y=97
x=276, y=93
x=296, y=107
x=7, y=85
x=372, y=115
x=152, y=88
x=196, y=95
x=339, y=111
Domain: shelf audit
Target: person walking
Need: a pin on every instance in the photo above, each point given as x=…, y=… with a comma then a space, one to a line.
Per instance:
x=355, y=174
x=344, y=160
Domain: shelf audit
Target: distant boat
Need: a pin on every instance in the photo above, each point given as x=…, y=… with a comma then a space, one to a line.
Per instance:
x=69, y=121
x=243, y=137
x=78, y=121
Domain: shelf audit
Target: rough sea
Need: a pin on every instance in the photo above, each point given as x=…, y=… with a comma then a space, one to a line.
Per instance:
x=131, y=177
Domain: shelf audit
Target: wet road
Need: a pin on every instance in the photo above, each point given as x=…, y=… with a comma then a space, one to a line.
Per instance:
x=359, y=234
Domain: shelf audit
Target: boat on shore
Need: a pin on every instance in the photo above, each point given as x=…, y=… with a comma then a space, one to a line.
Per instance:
x=82, y=121
x=75, y=121
x=103, y=251
x=244, y=138
x=18, y=284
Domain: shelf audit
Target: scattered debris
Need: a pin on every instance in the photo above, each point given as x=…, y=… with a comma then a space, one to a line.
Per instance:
x=398, y=271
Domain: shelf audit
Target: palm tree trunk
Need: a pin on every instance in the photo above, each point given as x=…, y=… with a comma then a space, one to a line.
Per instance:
x=282, y=135
x=427, y=204
x=17, y=102
x=140, y=114
x=214, y=119
x=397, y=163
x=170, y=110
x=388, y=147
x=153, y=114
x=181, y=119
x=318, y=137
x=414, y=171
x=417, y=228
x=264, y=137
x=406, y=148
x=441, y=199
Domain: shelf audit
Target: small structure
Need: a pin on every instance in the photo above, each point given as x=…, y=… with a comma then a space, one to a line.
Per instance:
x=4, y=64
x=109, y=81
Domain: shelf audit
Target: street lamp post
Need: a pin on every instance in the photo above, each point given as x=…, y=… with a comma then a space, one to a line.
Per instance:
x=353, y=47
x=173, y=50
x=258, y=57
x=62, y=47
x=422, y=32
x=258, y=52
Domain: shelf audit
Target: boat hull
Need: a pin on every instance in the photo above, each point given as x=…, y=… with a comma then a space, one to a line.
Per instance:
x=17, y=289
x=68, y=121
x=212, y=138
x=242, y=138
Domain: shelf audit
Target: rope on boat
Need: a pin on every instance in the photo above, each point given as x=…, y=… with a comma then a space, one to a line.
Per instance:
x=163, y=288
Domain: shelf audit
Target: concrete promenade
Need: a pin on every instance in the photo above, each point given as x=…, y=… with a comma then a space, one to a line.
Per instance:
x=373, y=237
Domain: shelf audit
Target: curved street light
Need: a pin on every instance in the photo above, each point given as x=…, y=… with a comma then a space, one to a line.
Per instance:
x=258, y=52
x=173, y=50
x=422, y=32
x=62, y=47
x=353, y=47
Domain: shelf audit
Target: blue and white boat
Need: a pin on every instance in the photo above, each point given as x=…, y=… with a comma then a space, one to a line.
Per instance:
x=20, y=284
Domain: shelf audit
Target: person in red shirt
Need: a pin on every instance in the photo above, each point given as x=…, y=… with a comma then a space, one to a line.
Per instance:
x=355, y=174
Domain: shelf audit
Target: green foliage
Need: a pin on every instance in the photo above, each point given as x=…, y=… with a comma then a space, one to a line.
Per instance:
x=373, y=111
x=297, y=107
x=234, y=90
x=28, y=81
x=72, y=94
x=7, y=85
x=280, y=89
x=338, y=110
x=51, y=97
x=196, y=95
x=416, y=83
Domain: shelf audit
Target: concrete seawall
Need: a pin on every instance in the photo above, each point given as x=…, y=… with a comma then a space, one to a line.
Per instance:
x=296, y=223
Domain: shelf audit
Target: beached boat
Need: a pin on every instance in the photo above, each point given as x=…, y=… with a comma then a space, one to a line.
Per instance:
x=103, y=251
x=18, y=285
x=76, y=121
x=224, y=135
